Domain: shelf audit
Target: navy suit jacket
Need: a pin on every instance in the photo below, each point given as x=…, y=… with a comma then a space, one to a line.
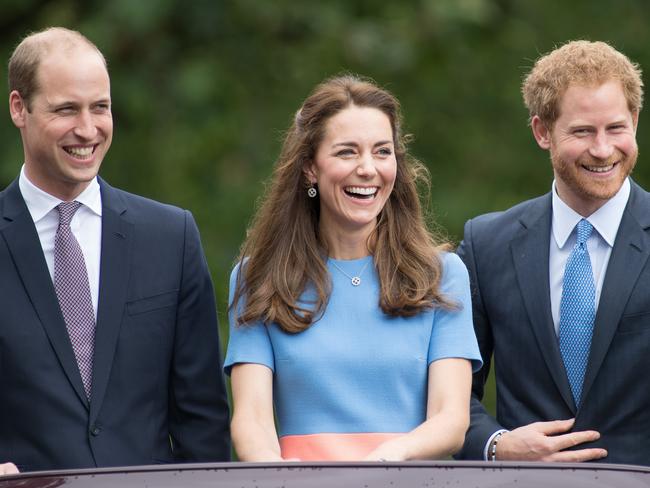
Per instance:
x=158, y=392
x=507, y=255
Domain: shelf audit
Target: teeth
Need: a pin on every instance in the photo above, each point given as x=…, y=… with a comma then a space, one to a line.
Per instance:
x=599, y=169
x=81, y=152
x=360, y=190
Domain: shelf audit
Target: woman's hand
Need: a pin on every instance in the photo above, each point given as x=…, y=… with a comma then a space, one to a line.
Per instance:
x=391, y=450
x=8, y=468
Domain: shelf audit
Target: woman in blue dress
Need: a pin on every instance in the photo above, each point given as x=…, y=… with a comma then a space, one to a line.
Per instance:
x=349, y=320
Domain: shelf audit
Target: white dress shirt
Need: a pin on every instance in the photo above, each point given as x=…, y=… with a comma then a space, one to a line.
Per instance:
x=605, y=221
x=86, y=225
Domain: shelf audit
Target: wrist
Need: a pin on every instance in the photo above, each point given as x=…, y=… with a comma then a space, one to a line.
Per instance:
x=492, y=447
x=399, y=449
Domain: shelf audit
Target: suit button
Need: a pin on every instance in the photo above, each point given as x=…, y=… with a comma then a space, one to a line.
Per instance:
x=95, y=430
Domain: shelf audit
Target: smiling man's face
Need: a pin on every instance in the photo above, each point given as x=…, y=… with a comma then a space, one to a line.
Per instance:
x=592, y=145
x=69, y=127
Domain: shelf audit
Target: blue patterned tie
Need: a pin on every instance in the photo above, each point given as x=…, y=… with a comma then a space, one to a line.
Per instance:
x=577, y=311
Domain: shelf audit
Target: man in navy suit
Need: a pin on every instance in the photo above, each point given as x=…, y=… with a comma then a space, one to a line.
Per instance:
x=109, y=347
x=561, y=283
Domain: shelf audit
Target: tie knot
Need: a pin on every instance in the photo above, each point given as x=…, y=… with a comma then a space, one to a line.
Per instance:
x=67, y=211
x=584, y=231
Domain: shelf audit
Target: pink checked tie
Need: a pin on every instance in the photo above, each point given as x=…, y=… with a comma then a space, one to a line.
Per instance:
x=73, y=292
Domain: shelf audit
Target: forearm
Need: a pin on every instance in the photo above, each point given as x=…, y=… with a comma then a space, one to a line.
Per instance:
x=443, y=432
x=253, y=441
x=438, y=437
x=253, y=425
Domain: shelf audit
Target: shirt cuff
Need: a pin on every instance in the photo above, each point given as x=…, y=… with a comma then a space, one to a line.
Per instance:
x=489, y=441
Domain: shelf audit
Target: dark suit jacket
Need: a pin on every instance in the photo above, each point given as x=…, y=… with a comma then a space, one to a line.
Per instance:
x=157, y=369
x=507, y=256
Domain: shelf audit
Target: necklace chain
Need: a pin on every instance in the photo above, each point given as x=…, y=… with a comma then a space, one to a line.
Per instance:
x=355, y=280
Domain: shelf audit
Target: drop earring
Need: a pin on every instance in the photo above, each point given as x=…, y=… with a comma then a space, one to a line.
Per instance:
x=312, y=191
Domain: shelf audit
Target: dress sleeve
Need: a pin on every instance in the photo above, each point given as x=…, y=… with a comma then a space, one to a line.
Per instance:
x=248, y=343
x=452, y=334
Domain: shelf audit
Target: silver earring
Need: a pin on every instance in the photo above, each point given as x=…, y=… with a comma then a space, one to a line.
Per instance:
x=312, y=192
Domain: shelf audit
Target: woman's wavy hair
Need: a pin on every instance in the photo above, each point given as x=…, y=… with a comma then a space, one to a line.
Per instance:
x=283, y=253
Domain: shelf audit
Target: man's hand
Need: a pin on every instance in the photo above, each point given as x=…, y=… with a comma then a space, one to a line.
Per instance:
x=546, y=441
x=8, y=468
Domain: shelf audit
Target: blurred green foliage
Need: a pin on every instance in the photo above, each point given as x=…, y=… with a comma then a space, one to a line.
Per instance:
x=203, y=90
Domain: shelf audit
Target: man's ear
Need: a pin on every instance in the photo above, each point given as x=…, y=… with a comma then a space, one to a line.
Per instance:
x=17, y=109
x=541, y=132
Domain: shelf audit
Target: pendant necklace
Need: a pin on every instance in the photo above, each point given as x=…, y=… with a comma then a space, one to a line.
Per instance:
x=355, y=280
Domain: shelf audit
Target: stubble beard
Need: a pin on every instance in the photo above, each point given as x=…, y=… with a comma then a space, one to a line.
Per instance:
x=591, y=188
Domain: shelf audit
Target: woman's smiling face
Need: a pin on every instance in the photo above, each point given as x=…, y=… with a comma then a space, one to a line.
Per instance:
x=354, y=168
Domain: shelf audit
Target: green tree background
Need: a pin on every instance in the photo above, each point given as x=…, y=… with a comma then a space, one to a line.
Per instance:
x=203, y=90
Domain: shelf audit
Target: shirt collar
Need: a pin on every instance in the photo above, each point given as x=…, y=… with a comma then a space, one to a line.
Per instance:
x=605, y=220
x=40, y=203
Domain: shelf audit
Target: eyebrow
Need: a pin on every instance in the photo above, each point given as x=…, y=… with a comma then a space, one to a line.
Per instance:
x=73, y=103
x=59, y=103
x=581, y=124
x=619, y=122
x=354, y=144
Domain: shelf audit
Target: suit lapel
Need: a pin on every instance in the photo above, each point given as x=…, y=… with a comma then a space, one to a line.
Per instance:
x=25, y=247
x=530, y=253
x=629, y=255
x=114, y=277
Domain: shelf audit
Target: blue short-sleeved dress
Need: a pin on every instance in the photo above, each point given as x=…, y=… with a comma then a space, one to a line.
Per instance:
x=356, y=377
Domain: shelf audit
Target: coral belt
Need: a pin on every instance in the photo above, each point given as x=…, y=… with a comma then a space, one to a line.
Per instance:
x=331, y=447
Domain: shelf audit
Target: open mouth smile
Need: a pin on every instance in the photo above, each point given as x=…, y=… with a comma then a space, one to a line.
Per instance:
x=361, y=192
x=80, y=152
x=600, y=169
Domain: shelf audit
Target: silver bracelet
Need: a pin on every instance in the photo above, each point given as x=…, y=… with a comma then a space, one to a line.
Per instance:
x=492, y=455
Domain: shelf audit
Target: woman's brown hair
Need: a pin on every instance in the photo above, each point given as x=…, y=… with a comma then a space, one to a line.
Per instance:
x=283, y=253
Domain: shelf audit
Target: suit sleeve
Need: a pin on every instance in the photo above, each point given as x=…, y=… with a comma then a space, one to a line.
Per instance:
x=199, y=414
x=482, y=424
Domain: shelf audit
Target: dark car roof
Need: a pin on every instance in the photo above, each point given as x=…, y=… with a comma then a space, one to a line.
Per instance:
x=442, y=474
